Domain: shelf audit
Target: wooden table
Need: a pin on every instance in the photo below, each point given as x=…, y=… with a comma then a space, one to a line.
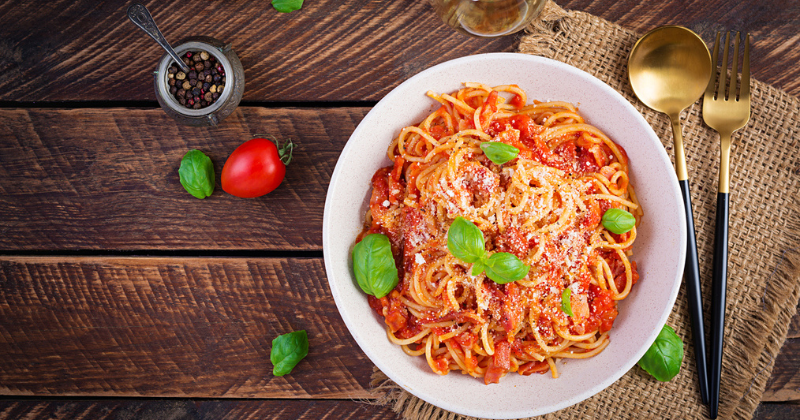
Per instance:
x=123, y=296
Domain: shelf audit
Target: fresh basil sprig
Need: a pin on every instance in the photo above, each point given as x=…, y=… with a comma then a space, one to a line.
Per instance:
x=498, y=152
x=287, y=351
x=374, y=265
x=566, y=302
x=465, y=241
x=663, y=359
x=287, y=6
x=197, y=174
x=618, y=221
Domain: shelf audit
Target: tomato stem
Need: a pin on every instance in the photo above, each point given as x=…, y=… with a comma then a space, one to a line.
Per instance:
x=284, y=151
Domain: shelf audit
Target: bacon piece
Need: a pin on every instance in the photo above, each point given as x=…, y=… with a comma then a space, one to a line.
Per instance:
x=499, y=364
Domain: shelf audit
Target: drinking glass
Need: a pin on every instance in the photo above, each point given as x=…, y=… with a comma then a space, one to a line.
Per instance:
x=488, y=18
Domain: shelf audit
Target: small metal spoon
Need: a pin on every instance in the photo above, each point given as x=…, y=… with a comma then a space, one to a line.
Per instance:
x=669, y=69
x=141, y=17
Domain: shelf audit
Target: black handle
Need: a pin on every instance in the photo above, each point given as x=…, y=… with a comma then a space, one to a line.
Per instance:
x=691, y=275
x=718, y=299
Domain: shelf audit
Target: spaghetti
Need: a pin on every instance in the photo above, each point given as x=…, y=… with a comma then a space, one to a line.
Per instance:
x=544, y=206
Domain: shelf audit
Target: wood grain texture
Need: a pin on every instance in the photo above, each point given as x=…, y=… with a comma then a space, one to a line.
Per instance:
x=191, y=327
x=192, y=410
x=784, y=383
x=773, y=25
x=331, y=50
x=146, y=409
x=767, y=411
x=108, y=179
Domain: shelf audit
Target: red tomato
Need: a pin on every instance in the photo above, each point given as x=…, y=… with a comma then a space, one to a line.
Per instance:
x=255, y=168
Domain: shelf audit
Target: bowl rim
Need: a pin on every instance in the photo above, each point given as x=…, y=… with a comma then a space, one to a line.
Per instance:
x=327, y=239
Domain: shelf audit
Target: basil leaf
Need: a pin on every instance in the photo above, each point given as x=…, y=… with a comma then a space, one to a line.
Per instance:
x=566, y=302
x=197, y=174
x=465, y=240
x=663, y=359
x=503, y=268
x=287, y=6
x=478, y=268
x=618, y=221
x=287, y=351
x=498, y=152
x=374, y=265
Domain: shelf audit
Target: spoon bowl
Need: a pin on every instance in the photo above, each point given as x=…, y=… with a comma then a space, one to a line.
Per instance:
x=669, y=69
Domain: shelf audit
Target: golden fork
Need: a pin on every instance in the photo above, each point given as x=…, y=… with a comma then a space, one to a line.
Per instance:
x=726, y=112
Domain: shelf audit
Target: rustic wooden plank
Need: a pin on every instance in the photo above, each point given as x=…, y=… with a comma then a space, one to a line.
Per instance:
x=157, y=327
x=331, y=50
x=784, y=384
x=794, y=326
x=773, y=25
x=108, y=179
x=771, y=411
x=195, y=410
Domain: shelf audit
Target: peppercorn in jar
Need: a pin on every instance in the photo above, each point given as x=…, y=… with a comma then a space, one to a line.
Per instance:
x=204, y=83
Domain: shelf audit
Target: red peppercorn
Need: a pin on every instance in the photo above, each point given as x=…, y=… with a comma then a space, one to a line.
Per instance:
x=188, y=54
x=191, y=102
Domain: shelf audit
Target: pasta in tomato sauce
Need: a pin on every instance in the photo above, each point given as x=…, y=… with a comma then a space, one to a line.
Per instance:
x=544, y=206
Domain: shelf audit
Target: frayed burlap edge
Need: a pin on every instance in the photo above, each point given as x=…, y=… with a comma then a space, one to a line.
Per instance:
x=748, y=364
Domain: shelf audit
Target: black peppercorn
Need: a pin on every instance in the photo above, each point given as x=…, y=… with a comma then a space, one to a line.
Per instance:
x=203, y=84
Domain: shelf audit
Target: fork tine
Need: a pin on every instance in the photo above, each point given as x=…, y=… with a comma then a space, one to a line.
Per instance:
x=735, y=72
x=723, y=69
x=744, y=95
x=712, y=83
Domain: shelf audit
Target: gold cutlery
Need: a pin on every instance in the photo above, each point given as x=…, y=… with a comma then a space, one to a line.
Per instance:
x=724, y=110
x=668, y=69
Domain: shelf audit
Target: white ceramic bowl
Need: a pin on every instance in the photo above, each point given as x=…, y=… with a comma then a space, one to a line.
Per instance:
x=659, y=249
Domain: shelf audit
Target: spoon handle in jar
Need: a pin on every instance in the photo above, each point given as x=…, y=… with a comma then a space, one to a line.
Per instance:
x=141, y=17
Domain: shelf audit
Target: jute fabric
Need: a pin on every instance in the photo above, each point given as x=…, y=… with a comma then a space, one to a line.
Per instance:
x=764, y=259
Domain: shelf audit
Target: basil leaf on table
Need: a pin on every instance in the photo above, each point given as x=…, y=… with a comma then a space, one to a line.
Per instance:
x=503, y=268
x=566, y=302
x=197, y=174
x=287, y=351
x=465, y=241
x=498, y=152
x=618, y=221
x=663, y=359
x=287, y=6
x=374, y=265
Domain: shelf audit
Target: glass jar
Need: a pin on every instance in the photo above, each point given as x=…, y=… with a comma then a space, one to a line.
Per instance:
x=229, y=98
x=488, y=18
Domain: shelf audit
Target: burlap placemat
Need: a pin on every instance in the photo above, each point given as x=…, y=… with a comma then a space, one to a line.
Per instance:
x=764, y=262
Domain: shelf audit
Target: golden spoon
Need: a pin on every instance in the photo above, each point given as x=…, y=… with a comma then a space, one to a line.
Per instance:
x=669, y=69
